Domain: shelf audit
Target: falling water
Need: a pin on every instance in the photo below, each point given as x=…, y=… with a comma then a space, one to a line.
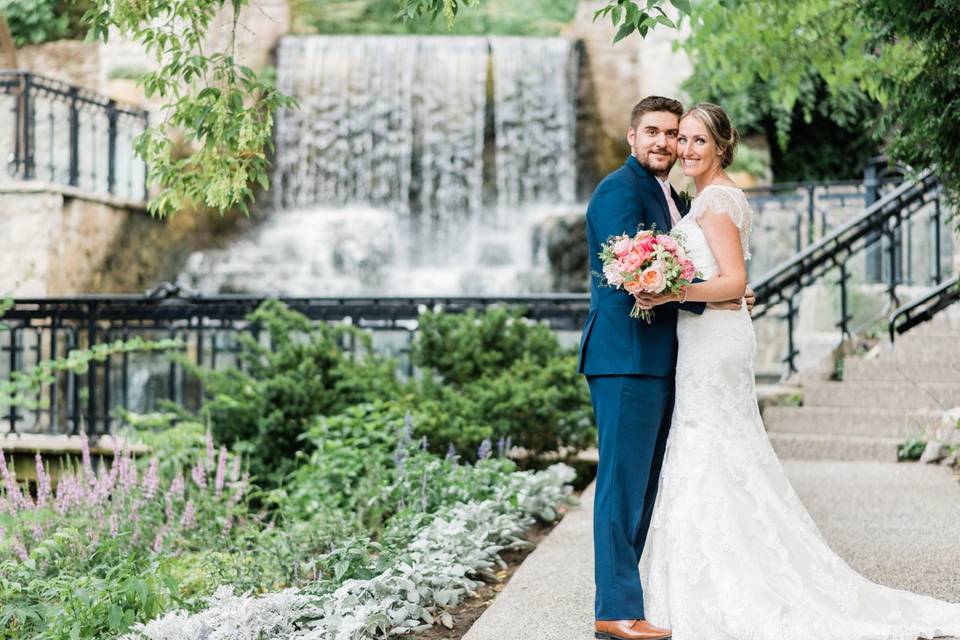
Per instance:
x=534, y=84
x=392, y=177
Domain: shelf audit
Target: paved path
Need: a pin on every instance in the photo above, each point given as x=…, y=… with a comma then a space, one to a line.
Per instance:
x=895, y=523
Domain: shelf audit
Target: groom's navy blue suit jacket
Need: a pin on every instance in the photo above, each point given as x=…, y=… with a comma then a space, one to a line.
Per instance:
x=613, y=343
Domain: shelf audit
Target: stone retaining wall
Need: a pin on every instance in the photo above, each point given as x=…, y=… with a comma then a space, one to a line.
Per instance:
x=54, y=239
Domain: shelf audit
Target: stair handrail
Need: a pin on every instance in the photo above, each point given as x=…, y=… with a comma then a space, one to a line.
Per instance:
x=880, y=219
x=923, y=309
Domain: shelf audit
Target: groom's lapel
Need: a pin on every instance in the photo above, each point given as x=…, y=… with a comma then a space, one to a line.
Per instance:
x=651, y=182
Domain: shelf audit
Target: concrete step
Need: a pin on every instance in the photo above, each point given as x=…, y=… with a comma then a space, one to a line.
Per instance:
x=815, y=446
x=941, y=322
x=931, y=354
x=888, y=394
x=915, y=338
x=849, y=421
x=891, y=369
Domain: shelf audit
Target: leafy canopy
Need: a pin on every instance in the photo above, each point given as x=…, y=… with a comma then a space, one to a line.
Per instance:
x=224, y=109
x=888, y=66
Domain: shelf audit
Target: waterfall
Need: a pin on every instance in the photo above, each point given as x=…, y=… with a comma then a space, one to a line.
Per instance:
x=397, y=175
x=534, y=91
x=375, y=112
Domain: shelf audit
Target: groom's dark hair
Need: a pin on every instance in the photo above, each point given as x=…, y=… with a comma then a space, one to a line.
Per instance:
x=654, y=103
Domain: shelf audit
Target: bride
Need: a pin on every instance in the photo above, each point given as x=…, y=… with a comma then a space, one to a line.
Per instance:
x=731, y=553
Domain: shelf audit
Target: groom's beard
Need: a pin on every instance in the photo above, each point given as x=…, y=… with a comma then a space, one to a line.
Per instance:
x=654, y=163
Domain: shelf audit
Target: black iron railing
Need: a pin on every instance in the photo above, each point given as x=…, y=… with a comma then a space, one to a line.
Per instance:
x=791, y=216
x=208, y=327
x=886, y=229
x=65, y=134
x=924, y=308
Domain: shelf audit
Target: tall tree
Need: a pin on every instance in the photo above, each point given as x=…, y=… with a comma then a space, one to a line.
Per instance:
x=225, y=110
x=921, y=120
x=888, y=67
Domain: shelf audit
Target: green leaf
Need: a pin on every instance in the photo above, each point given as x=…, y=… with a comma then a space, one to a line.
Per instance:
x=625, y=30
x=115, y=617
x=615, y=16
x=665, y=21
x=683, y=6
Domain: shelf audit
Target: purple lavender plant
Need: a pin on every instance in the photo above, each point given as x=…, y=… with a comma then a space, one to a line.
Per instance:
x=221, y=473
x=151, y=480
x=486, y=448
x=43, y=483
x=118, y=507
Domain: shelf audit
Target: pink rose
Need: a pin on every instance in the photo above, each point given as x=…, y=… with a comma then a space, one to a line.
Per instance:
x=645, y=244
x=635, y=259
x=611, y=271
x=622, y=246
x=687, y=270
x=668, y=243
x=634, y=286
x=652, y=279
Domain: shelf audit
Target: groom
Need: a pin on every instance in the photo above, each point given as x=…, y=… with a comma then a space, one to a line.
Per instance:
x=630, y=366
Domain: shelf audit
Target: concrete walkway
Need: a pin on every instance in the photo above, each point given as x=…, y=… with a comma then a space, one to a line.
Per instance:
x=897, y=524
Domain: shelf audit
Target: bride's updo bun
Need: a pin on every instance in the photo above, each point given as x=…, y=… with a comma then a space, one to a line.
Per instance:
x=717, y=122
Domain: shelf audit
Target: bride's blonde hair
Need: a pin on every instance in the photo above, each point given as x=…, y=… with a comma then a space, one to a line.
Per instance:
x=717, y=122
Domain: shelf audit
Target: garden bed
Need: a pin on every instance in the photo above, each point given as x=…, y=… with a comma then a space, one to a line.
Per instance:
x=314, y=496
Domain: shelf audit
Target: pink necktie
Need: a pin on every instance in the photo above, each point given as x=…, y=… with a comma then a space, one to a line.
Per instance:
x=674, y=212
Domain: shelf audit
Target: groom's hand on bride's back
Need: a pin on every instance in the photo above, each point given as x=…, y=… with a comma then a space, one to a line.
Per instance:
x=733, y=305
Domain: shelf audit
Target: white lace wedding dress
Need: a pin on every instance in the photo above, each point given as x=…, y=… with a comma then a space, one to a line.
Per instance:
x=731, y=553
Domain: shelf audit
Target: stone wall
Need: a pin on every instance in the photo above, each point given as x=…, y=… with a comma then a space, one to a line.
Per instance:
x=260, y=25
x=53, y=239
x=72, y=61
x=625, y=72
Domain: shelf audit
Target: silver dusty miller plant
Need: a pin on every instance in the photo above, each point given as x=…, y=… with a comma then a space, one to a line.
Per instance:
x=436, y=573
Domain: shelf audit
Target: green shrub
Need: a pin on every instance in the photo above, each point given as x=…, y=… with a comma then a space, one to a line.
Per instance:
x=540, y=406
x=102, y=603
x=462, y=348
x=501, y=17
x=263, y=408
x=34, y=21
x=495, y=376
x=912, y=449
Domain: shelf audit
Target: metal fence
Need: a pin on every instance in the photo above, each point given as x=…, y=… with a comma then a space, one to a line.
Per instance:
x=791, y=216
x=854, y=276
x=62, y=133
x=208, y=327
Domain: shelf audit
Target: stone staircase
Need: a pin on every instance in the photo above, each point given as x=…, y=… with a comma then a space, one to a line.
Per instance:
x=884, y=398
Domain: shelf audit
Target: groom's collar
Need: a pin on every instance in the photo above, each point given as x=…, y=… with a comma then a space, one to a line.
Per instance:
x=640, y=170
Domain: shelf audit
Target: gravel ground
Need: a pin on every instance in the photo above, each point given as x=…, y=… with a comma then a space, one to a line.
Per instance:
x=897, y=524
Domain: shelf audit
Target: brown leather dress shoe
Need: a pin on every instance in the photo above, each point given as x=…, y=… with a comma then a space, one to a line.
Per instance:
x=629, y=630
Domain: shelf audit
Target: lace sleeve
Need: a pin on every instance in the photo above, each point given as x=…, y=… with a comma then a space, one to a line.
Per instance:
x=731, y=203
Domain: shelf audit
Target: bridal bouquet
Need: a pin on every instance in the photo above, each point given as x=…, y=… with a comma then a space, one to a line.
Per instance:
x=648, y=262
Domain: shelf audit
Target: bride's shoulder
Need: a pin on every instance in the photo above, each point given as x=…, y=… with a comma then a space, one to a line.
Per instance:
x=720, y=196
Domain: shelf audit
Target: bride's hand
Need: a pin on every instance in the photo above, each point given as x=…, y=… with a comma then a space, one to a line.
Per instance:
x=650, y=300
